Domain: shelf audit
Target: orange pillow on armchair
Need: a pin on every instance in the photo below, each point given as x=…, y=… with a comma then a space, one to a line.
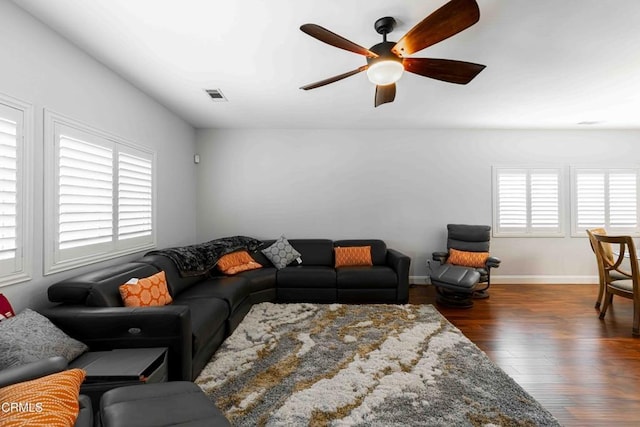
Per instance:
x=467, y=259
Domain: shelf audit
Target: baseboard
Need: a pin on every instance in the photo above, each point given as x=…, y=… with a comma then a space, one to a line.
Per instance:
x=522, y=279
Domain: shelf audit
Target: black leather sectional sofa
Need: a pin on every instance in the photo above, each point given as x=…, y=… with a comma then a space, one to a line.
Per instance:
x=207, y=308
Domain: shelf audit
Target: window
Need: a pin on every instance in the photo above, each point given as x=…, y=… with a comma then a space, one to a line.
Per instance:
x=605, y=198
x=527, y=202
x=101, y=193
x=15, y=192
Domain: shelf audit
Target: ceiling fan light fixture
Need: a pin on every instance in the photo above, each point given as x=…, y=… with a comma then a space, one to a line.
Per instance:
x=385, y=72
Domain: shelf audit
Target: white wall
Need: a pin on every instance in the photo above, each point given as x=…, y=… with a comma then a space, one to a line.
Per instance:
x=43, y=69
x=400, y=186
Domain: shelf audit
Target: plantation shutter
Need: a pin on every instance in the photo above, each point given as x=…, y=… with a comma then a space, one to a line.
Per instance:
x=8, y=188
x=606, y=198
x=512, y=200
x=623, y=200
x=135, y=192
x=545, y=200
x=527, y=201
x=101, y=195
x=85, y=193
x=590, y=199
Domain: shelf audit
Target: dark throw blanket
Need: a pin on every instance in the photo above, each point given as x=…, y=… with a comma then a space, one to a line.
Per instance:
x=195, y=260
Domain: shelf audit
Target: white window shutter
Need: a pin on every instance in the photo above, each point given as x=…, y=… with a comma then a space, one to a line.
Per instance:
x=100, y=193
x=8, y=188
x=545, y=200
x=135, y=191
x=623, y=212
x=85, y=193
x=15, y=190
x=527, y=202
x=605, y=198
x=590, y=199
x=512, y=200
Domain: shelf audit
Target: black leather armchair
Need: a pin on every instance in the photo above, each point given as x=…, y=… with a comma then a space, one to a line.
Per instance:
x=471, y=238
x=42, y=368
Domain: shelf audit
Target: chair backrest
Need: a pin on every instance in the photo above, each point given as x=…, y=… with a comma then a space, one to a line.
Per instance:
x=625, y=249
x=608, y=252
x=606, y=248
x=471, y=238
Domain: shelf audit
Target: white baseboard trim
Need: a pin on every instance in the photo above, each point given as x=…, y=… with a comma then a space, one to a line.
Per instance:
x=419, y=280
x=523, y=279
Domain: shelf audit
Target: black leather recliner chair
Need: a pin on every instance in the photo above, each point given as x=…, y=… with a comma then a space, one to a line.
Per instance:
x=456, y=288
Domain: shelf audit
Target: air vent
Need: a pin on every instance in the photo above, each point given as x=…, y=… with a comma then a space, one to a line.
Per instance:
x=216, y=95
x=590, y=122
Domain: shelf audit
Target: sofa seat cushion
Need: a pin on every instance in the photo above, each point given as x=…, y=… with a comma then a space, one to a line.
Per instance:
x=259, y=280
x=233, y=290
x=375, y=277
x=207, y=316
x=301, y=276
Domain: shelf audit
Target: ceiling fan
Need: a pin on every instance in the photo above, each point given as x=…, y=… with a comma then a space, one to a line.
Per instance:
x=387, y=61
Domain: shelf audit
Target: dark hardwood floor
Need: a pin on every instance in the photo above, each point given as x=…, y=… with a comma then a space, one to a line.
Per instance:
x=549, y=339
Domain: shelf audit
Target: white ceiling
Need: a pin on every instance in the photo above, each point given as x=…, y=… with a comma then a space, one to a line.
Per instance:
x=550, y=64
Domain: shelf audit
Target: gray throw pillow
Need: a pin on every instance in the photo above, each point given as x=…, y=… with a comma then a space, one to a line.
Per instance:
x=281, y=253
x=29, y=337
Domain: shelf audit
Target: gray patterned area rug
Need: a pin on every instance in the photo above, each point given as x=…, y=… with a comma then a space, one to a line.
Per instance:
x=364, y=365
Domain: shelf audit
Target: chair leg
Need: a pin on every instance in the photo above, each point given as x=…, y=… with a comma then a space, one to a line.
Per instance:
x=484, y=292
x=600, y=295
x=447, y=298
x=607, y=301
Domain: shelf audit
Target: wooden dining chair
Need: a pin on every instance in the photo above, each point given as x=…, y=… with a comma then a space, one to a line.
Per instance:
x=628, y=288
x=608, y=254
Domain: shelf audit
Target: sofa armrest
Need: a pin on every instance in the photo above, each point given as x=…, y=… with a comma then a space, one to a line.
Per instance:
x=400, y=263
x=441, y=257
x=31, y=371
x=493, y=262
x=106, y=328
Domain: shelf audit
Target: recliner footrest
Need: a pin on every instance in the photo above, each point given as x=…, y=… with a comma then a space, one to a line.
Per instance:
x=161, y=404
x=455, y=278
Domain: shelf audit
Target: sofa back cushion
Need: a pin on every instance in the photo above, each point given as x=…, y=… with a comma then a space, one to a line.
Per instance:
x=314, y=251
x=99, y=288
x=175, y=281
x=260, y=257
x=378, y=248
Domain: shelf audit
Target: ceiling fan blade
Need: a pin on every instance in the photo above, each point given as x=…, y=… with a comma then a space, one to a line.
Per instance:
x=334, y=78
x=450, y=19
x=384, y=94
x=324, y=35
x=443, y=69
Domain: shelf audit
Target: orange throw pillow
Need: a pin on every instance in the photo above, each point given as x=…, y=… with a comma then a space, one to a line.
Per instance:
x=467, y=259
x=148, y=292
x=353, y=256
x=237, y=262
x=50, y=401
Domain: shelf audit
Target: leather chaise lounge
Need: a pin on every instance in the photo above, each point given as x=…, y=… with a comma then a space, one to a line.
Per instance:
x=207, y=308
